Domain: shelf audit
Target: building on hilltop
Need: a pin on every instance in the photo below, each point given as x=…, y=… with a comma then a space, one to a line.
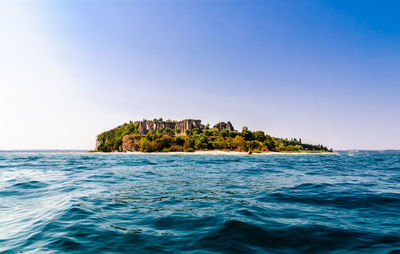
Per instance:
x=182, y=126
x=224, y=126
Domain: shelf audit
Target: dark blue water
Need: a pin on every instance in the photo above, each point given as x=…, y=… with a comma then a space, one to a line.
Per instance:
x=116, y=203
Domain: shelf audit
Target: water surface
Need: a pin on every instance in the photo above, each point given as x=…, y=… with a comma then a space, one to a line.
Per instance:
x=118, y=203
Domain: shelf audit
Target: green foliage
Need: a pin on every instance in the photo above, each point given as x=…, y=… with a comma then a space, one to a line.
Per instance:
x=201, y=141
x=269, y=143
x=247, y=135
x=233, y=134
x=176, y=148
x=146, y=145
x=111, y=140
x=162, y=142
x=196, y=131
x=224, y=133
x=169, y=131
x=127, y=137
x=254, y=145
x=240, y=144
x=179, y=140
x=260, y=136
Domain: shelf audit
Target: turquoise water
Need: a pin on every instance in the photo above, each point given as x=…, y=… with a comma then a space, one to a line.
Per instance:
x=115, y=203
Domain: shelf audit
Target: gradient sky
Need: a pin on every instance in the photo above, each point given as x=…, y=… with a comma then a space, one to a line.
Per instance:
x=325, y=71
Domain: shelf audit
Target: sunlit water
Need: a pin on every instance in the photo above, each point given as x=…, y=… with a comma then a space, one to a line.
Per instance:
x=199, y=203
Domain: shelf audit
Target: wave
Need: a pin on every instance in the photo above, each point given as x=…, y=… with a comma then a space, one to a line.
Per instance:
x=199, y=204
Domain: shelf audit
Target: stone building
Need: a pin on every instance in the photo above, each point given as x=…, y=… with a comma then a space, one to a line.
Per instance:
x=187, y=124
x=224, y=126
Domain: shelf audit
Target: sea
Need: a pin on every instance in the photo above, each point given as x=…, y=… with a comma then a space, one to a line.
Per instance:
x=67, y=202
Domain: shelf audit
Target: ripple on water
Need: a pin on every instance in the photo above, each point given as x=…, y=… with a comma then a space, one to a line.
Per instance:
x=199, y=204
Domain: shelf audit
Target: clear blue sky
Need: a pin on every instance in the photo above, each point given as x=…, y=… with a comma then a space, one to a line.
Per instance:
x=325, y=71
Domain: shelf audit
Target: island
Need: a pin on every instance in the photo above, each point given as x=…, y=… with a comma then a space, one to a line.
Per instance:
x=191, y=135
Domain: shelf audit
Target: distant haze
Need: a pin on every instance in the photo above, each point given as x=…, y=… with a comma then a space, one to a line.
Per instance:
x=323, y=71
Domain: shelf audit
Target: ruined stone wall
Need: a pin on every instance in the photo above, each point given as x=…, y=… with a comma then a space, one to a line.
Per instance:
x=146, y=126
x=224, y=126
x=187, y=124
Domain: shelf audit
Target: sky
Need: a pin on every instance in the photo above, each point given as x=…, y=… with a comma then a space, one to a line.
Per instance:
x=324, y=71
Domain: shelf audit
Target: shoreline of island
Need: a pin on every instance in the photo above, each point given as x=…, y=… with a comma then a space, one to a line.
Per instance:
x=216, y=152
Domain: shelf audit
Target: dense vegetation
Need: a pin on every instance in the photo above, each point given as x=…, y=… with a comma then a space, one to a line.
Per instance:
x=127, y=137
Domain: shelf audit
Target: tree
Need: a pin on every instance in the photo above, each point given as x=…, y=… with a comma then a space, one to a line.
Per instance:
x=269, y=142
x=224, y=133
x=247, y=135
x=207, y=132
x=169, y=131
x=196, y=131
x=163, y=142
x=233, y=134
x=179, y=140
x=149, y=137
x=254, y=145
x=201, y=141
x=145, y=145
x=260, y=136
x=239, y=143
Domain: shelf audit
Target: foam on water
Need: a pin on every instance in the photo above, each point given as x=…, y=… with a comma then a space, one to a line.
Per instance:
x=199, y=204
